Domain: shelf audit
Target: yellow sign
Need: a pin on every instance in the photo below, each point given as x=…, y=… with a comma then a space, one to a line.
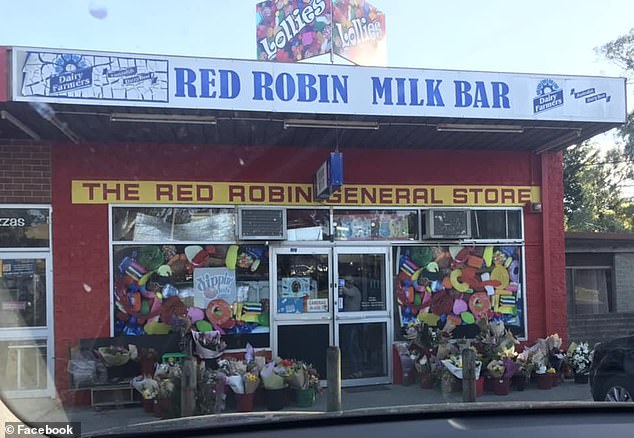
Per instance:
x=237, y=193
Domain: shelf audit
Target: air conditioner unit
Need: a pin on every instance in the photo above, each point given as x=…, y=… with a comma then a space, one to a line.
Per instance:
x=262, y=223
x=447, y=223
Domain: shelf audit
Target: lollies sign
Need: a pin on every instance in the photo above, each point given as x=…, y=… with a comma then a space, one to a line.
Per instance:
x=292, y=30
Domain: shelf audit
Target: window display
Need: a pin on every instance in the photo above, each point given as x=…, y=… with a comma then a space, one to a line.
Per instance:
x=376, y=225
x=459, y=285
x=163, y=288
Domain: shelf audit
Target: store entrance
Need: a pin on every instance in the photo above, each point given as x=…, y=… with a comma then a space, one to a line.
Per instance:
x=334, y=296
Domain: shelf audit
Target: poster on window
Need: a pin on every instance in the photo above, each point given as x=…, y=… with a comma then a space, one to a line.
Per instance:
x=158, y=289
x=459, y=285
x=214, y=284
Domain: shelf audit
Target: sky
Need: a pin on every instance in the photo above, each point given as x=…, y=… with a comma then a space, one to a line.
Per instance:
x=537, y=36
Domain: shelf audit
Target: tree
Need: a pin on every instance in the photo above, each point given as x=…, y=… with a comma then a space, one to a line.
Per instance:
x=621, y=52
x=592, y=190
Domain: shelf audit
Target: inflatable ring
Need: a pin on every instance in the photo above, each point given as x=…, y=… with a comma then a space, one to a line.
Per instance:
x=218, y=312
x=480, y=305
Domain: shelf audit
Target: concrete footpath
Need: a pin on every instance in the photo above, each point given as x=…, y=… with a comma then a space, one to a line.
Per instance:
x=48, y=410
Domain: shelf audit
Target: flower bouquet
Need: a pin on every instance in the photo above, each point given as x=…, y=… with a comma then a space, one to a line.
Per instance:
x=273, y=378
x=579, y=358
x=209, y=345
x=147, y=387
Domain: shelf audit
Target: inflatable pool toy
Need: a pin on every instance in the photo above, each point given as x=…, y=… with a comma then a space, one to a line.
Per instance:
x=460, y=306
x=488, y=256
x=218, y=312
x=500, y=274
x=480, y=305
x=454, y=278
x=514, y=272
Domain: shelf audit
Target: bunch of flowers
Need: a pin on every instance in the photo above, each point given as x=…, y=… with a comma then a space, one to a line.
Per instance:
x=579, y=357
x=504, y=368
x=147, y=387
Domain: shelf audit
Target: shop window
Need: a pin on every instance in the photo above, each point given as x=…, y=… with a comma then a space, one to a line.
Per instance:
x=160, y=288
x=173, y=224
x=496, y=224
x=589, y=290
x=24, y=228
x=23, y=365
x=307, y=224
x=458, y=285
x=376, y=225
x=22, y=292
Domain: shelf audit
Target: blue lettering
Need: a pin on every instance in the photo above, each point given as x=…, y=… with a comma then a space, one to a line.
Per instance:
x=262, y=82
x=463, y=98
x=306, y=91
x=207, y=78
x=400, y=91
x=382, y=90
x=413, y=93
x=229, y=84
x=285, y=87
x=480, y=99
x=340, y=88
x=185, y=77
x=434, y=98
x=323, y=89
x=500, y=95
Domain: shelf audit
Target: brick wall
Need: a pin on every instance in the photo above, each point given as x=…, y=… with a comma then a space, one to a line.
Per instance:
x=599, y=328
x=624, y=284
x=25, y=174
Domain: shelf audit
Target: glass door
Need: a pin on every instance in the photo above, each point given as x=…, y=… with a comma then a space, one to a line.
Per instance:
x=302, y=304
x=362, y=314
x=26, y=341
x=340, y=296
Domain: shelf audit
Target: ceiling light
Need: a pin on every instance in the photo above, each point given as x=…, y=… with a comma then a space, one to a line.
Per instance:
x=332, y=124
x=467, y=127
x=163, y=118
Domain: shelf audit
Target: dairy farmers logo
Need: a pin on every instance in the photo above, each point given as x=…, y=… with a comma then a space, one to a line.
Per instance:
x=549, y=96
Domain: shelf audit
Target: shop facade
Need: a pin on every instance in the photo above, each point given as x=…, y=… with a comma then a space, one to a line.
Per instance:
x=231, y=234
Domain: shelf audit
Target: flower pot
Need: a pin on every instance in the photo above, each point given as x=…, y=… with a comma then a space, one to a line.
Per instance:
x=544, y=381
x=480, y=386
x=275, y=399
x=520, y=382
x=488, y=384
x=556, y=379
x=244, y=402
x=304, y=397
x=501, y=386
x=148, y=405
x=581, y=379
x=426, y=381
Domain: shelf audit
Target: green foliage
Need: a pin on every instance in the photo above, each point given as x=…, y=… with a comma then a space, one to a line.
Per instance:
x=592, y=190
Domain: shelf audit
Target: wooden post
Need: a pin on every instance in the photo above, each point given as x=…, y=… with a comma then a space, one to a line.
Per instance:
x=468, y=375
x=188, y=387
x=333, y=368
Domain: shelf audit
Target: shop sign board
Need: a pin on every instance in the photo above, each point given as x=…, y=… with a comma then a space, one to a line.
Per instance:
x=240, y=193
x=293, y=30
x=359, y=32
x=329, y=176
x=97, y=78
x=24, y=227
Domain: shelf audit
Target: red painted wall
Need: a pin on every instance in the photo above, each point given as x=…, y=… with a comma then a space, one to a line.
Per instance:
x=81, y=253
